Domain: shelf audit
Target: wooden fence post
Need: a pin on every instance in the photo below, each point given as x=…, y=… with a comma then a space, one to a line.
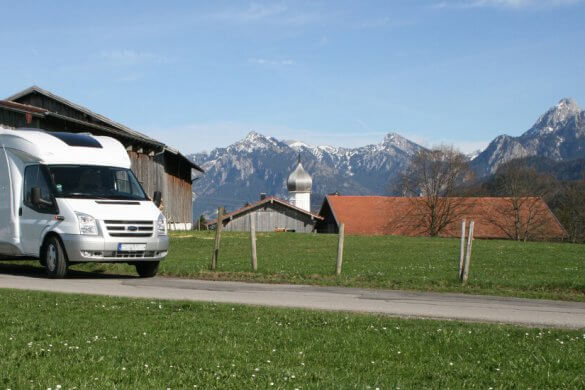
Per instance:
x=468, y=254
x=462, y=249
x=253, y=241
x=218, y=228
x=340, y=249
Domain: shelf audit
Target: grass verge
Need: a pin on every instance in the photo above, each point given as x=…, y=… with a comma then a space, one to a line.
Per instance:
x=499, y=267
x=77, y=341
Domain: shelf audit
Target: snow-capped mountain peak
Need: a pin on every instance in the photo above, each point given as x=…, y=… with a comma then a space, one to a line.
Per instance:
x=297, y=145
x=555, y=117
x=559, y=134
x=395, y=140
x=254, y=141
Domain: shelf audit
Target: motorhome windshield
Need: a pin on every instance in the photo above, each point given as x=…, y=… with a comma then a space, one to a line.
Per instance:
x=95, y=182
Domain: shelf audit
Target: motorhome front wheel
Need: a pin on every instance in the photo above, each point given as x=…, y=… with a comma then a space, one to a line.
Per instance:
x=55, y=258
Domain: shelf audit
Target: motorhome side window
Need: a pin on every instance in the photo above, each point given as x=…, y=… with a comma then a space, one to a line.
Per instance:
x=35, y=176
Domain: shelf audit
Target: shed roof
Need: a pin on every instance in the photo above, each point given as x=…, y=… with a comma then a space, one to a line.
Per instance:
x=386, y=215
x=269, y=199
x=104, y=124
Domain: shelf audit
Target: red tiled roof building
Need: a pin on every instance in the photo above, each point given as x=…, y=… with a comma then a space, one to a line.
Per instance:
x=495, y=217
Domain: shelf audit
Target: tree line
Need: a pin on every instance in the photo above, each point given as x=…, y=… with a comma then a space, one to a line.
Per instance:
x=438, y=180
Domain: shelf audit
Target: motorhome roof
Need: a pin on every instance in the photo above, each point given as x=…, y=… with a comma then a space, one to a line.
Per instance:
x=65, y=148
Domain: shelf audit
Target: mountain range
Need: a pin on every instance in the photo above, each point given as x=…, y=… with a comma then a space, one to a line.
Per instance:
x=237, y=174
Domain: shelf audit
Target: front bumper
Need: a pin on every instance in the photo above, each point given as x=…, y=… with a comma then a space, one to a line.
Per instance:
x=82, y=248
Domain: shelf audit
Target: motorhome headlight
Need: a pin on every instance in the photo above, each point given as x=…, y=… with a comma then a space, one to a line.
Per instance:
x=161, y=225
x=87, y=224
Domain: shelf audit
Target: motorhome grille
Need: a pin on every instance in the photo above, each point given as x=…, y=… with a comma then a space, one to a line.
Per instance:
x=129, y=228
x=132, y=254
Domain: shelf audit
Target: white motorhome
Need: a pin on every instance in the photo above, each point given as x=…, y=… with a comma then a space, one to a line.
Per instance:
x=70, y=198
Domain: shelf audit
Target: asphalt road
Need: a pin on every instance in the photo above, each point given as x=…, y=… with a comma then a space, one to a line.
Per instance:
x=464, y=307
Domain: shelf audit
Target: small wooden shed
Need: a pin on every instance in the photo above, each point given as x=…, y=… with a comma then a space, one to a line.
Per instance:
x=157, y=166
x=271, y=214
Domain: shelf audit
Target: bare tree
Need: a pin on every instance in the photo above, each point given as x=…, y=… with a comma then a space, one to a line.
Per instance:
x=430, y=180
x=522, y=216
x=571, y=210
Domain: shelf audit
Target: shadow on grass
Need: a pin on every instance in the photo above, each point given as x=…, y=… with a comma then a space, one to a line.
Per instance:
x=39, y=272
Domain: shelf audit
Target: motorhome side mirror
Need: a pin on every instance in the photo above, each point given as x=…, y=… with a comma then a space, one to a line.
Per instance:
x=157, y=198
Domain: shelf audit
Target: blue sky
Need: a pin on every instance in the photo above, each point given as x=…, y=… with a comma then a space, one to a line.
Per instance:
x=202, y=74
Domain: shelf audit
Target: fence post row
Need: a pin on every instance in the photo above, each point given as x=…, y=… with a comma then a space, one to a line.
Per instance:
x=340, y=249
x=468, y=254
x=462, y=249
x=253, y=241
x=219, y=226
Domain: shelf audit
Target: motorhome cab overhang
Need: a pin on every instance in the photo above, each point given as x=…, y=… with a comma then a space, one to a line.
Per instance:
x=70, y=198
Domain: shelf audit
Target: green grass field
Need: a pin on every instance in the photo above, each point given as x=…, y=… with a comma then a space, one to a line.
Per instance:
x=532, y=269
x=499, y=267
x=62, y=341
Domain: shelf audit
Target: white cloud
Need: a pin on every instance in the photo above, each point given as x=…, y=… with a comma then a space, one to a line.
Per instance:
x=130, y=77
x=269, y=12
x=264, y=61
x=383, y=22
x=128, y=57
x=252, y=13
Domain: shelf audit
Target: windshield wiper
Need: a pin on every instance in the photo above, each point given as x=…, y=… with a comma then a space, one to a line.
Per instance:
x=81, y=195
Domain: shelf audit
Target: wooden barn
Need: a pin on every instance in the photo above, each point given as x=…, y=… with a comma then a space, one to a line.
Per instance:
x=157, y=166
x=271, y=214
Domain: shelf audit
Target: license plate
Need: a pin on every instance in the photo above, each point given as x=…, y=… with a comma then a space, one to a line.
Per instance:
x=131, y=247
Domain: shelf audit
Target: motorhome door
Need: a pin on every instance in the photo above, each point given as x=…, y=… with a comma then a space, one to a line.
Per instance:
x=36, y=218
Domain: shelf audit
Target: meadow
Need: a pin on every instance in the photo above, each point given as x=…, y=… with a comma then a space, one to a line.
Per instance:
x=499, y=267
x=58, y=341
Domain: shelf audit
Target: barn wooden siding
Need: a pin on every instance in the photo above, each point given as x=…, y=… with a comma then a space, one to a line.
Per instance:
x=270, y=217
x=12, y=119
x=176, y=192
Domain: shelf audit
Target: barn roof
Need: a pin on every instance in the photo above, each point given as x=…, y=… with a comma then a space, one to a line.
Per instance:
x=269, y=199
x=14, y=106
x=99, y=122
x=385, y=215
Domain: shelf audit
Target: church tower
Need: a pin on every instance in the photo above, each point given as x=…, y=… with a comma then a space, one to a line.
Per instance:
x=299, y=185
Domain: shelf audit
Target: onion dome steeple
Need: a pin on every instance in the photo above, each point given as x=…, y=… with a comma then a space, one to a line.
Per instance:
x=299, y=180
